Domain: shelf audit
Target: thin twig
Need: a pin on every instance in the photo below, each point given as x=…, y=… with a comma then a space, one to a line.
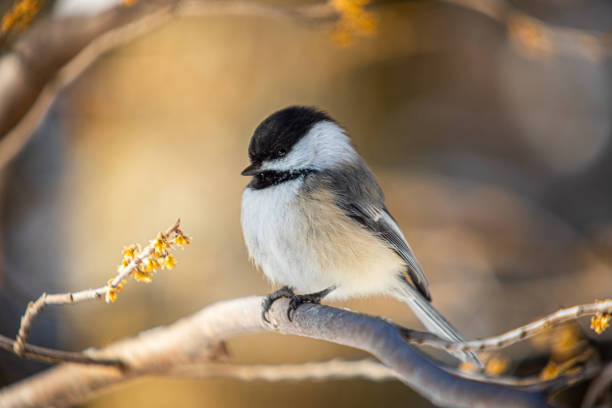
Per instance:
x=54, y=356
x=124, y=272
x=14, y=141
x=536, y=383
x=323, y=370
x=34, y=308
x=513, y=336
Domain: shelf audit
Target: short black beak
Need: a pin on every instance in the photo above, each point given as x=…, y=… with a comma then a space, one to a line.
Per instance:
x=252, y=170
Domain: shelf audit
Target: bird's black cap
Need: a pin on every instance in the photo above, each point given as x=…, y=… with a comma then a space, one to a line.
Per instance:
x=279, y=132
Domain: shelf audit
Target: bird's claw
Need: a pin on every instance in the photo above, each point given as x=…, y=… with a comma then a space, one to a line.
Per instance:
x=294, y=300
x=298, y=300
x=266, y=304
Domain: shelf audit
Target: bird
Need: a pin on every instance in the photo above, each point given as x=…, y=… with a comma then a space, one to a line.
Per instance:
x=314, y=219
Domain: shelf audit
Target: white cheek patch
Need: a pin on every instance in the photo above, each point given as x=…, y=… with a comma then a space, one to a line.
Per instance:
x=323, y=147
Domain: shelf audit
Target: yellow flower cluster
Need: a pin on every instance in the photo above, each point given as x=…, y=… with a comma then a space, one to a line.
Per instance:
x=111, y=294
x=600, y=322
x=143, y=264
x=353, y=20
x=495, y=364
x=20, y=16
x=552, y=370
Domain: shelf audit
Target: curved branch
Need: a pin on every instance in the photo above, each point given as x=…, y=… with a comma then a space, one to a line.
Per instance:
x=515, y=335
x=196, y=338
x=53, y=356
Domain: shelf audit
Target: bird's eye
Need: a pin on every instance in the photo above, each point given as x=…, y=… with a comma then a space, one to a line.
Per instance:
x=281, y=152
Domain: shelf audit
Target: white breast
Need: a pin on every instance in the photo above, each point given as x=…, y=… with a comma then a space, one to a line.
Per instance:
x=273, y=230
x=306, y=243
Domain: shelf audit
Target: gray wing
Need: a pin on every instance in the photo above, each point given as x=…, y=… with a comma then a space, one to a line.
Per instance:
x=362, y=199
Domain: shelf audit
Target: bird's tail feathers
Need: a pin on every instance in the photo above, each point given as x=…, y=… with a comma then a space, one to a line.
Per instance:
x=434, y=321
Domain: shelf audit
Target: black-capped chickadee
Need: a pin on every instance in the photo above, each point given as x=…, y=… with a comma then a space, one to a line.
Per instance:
x=314, y=219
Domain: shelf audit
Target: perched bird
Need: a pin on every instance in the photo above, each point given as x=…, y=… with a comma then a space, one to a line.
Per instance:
x=314, y=219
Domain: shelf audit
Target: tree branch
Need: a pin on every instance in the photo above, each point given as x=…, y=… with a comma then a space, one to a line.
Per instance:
x=58, y=50
x=132, y=263
x=513, y=336
x=196, y=339
x=339, y=369
x=48, y=355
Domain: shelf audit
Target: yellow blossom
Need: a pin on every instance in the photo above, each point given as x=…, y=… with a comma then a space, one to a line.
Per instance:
x=20, y=16
x=496, y=365
x=566, y=341
x=160, y=243
x=143, y=276
x=130, y=252
x=353, y=20
x=600, y=322
x=151, y=264
x=120, y=285
x=549, y=372
x=169, y=261
x=111, y=295
x=182, y=240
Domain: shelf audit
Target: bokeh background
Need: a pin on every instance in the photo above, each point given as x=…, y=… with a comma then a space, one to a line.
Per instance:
x=491, y=140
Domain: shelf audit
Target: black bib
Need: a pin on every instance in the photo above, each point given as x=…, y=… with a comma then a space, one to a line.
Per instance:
x=268, y=178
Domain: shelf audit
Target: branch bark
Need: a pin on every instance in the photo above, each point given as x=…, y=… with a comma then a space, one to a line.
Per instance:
x=323, y=370
x=197, y=338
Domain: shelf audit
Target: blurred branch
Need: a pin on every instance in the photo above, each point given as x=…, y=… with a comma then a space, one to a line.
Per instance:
x=196, y=339
x=56, y=51
x=324, y=370
x=536, y=38
x=50, y=57
x=598, y=387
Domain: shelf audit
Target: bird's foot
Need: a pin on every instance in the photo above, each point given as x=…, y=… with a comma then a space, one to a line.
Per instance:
x=298, y=300
x=294, y=302
x=284, y=292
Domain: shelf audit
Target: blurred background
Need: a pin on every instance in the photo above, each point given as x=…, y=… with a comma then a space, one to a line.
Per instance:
x=491, y=140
